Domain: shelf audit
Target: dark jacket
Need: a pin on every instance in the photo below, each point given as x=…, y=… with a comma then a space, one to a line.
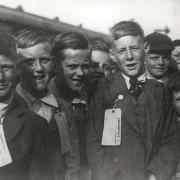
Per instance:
x=76, y=117
x=25, y=134
x=149, y=138
x=61, y=166
x=73, y=156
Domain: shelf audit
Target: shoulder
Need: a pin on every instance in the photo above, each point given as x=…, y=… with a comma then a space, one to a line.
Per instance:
x=19, y=107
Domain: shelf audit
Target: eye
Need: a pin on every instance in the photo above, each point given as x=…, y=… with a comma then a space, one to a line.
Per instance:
x=94, y=65
x=29, y=61
x=154, y=58
x=45, y=59
x=72, y=66
x=86, y=66
x=7, y=67
x=135, y=48
x=121, y=51
x=106, y=68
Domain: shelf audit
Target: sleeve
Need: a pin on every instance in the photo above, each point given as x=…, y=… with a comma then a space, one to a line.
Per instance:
x=72, y=156
x=94, y=134
x=164, y=163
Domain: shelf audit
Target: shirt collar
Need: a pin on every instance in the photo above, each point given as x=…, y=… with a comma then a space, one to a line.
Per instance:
x=141, y=79
x=4, y=104
x=126, y=78
x=48, y=99
x=78, y=101
x=149, y=76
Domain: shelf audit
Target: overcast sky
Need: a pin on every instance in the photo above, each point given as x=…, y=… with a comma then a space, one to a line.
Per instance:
x=100, y=15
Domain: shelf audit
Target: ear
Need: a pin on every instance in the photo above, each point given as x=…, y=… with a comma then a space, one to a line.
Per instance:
x=146, y=47
x=111, y=55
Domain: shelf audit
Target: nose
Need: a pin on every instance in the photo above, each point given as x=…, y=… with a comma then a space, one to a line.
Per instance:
x=100, y=68
x=79, y=72
x=38, y=66
x=129, y=55
x=161, y=61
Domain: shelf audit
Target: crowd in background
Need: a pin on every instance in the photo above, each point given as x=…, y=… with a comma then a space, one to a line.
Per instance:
x=79, y=109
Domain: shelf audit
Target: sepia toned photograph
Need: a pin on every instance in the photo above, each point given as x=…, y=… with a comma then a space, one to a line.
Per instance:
x=90, y=90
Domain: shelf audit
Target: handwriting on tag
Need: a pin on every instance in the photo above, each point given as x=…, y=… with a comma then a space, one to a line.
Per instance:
x=112, y=127
x=5, y=157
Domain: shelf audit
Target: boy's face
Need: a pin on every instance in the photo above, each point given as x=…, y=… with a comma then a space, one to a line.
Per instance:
x=35, y=67
x=176, y=100
x=129, y=54
x=157, y=65
x=76, y=67
x=100, y=64
x=7, y=77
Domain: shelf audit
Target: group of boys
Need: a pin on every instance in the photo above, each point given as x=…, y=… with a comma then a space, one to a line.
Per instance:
x=65, y=115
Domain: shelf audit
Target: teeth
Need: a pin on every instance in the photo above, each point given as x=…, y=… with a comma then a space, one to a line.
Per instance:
x=131, y=65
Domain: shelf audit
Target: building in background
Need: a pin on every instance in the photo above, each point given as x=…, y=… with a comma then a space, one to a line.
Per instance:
x=13, y=20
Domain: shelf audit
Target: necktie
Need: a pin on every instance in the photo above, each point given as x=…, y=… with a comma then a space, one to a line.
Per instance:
x=135, y=87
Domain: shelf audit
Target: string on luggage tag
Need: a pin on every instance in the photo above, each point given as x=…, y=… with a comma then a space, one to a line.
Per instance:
x=120, y=97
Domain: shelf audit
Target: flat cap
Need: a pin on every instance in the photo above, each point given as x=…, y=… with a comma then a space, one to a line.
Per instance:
x=7, y=45
x=159, y=42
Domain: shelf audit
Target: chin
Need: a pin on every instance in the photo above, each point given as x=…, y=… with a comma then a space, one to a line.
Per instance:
x=41, y=88
x=76, y=89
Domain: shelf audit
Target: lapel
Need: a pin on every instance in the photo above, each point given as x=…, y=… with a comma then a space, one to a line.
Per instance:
x=13, y=120
x=62, y=102
x=117, y=86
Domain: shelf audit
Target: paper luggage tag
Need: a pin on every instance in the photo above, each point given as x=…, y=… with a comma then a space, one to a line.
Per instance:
x=112, y=127
x=5, y=157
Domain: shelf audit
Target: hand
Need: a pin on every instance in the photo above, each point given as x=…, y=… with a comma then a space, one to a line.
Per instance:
x=152, y=177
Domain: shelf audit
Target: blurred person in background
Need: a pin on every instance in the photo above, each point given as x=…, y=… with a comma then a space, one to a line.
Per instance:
x=101, y=64
x=100, y=60
x=173, y=85
x=175, y=54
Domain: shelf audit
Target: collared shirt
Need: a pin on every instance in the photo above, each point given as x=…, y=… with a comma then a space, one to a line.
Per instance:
x=126, y=78
x=42, y=107
x=161, y=80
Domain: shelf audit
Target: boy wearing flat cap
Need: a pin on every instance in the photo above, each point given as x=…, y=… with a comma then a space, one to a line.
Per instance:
x=132, y=131
x=158, y=57
x=22, y=148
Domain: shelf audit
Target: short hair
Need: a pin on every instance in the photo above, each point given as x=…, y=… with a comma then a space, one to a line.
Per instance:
x=176, y=42
x=70, y=40
x=173, y=83
x=99, y=45
x=27, y=38
x=8, y=45
x=125, y=28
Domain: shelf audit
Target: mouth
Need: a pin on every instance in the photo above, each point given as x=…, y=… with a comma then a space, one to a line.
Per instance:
x=96, y=75
x=131, y=66
x=39, y=77
x=160, y=69
x=78, y=80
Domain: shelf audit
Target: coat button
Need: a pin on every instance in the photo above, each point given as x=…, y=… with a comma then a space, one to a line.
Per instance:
x=116, y=160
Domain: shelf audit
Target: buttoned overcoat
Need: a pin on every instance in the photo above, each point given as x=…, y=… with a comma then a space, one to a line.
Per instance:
x=149, y=138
